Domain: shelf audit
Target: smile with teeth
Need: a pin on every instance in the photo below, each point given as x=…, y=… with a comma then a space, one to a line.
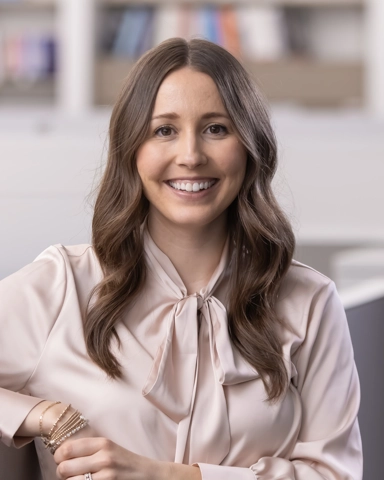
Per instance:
x=192, y=186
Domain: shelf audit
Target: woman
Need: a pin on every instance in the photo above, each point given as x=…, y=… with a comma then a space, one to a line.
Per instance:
x=186, y=335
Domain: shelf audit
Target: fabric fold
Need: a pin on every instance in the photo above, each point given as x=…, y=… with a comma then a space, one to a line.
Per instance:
x=171, y=380
x=171, y=384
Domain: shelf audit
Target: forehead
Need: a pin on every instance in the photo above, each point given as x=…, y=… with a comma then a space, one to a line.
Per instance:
x=188, y=89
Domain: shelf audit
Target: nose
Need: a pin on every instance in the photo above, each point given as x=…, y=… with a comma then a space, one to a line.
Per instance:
x=190, y=153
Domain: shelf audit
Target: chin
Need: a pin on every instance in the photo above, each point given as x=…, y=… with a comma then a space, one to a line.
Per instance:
x=192, y=221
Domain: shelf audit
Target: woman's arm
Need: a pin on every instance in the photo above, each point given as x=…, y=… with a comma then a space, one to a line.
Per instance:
x=107, y=459
x=31, y=300
x=31, y=424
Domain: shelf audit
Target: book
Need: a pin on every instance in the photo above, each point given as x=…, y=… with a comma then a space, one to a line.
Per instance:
x=110, y=23
x=27, y=57
x=50, y=55
x=33, y=58
x=262, y=32
x=167, y=23
x=146, y=32
x=230, y=30
x=197, y=20
x=211, y=27
x=13, y=45
x=132, y=30
x=2, y=60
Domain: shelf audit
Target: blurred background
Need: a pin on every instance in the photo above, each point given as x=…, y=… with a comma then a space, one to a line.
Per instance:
x=320, y=63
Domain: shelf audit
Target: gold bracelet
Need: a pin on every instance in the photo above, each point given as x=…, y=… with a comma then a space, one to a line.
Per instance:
x=70, y=431
x=58, y=420
x=42, y=416
x=73, y=419
x=72, y=425
x=55, y=444
x=65, y=431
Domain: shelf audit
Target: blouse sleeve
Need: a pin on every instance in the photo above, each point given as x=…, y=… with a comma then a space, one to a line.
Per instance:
x=329, y=443
x=31, y=301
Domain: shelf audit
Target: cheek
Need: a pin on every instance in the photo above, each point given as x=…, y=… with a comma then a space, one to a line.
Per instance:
x=235, y=162
x=148, y=164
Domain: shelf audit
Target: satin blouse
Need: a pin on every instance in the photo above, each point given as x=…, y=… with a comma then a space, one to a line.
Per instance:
x=186, y=394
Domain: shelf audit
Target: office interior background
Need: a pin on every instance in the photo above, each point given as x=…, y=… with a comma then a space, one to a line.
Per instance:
x=320, y=64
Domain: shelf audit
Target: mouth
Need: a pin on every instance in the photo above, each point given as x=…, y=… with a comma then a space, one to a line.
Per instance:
x=192, y=187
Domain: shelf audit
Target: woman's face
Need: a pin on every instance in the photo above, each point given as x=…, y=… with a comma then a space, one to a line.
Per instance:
x=192, y=164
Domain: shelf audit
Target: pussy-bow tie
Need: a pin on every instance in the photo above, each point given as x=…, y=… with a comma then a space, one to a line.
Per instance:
x=174, y=376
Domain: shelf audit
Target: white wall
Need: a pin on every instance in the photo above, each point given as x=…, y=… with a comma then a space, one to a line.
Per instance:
x=332, y=176
x=330, y=181
x=48, y=167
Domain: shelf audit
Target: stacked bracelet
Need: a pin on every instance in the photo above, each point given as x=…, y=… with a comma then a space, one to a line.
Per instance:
x=58, y=420
x=42, y=416
x=56, y=437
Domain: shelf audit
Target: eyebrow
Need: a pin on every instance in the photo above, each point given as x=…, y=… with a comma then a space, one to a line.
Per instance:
x=174, y=116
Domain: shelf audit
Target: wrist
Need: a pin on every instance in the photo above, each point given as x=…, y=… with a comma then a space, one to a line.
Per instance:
x=30, y=426
x=178, y=471
x=53, y=414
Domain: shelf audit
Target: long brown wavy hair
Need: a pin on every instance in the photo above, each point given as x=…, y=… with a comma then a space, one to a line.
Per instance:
x=262, y=236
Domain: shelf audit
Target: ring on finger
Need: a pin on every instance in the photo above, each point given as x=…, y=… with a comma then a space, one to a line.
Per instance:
x=88, y=476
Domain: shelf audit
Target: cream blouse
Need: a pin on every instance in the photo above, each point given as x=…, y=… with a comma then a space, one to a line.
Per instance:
x=186, y=394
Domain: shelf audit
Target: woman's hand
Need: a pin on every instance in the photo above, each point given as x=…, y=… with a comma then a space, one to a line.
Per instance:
x=108, y=461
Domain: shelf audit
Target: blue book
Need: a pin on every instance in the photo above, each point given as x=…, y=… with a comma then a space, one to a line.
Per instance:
x=147, y=34
x=130, y=34
x=122, y=44
x=211, y=27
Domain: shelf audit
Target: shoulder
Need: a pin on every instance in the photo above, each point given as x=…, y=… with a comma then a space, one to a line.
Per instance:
x=67, y=252
x=74, y=256
x=55, y=284
x=304, y=295
x=71, y=256
x=79, y=264
x=304, y=282
x=304, y=274
x=54, y=268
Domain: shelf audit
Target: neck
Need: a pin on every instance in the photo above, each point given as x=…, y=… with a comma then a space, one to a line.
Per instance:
x=194, y=251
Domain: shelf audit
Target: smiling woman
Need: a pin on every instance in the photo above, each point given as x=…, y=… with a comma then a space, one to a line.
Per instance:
x=192, y=167
x=194, y=345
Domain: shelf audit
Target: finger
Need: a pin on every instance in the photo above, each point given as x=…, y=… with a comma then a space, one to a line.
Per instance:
x=76, y=467
x=95, y=476
x=81, y=447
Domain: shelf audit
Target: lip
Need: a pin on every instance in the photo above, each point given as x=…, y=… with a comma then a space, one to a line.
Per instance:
x=191, y=179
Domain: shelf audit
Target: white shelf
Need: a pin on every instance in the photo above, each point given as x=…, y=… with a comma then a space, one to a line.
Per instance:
x=27, y=5
x=355, y=82
x=360, y=294
x=41, y=91
x=307, y=81
x=286, y=3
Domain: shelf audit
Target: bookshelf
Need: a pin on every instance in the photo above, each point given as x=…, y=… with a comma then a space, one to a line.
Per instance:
x=27, y=52
x=89, y=75
x=289, y=3
x=286, y=75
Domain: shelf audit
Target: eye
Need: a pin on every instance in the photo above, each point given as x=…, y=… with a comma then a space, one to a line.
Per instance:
x=164, y=131
x=217, y=129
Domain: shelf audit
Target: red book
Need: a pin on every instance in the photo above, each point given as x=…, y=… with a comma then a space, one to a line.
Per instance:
x=229, y=30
